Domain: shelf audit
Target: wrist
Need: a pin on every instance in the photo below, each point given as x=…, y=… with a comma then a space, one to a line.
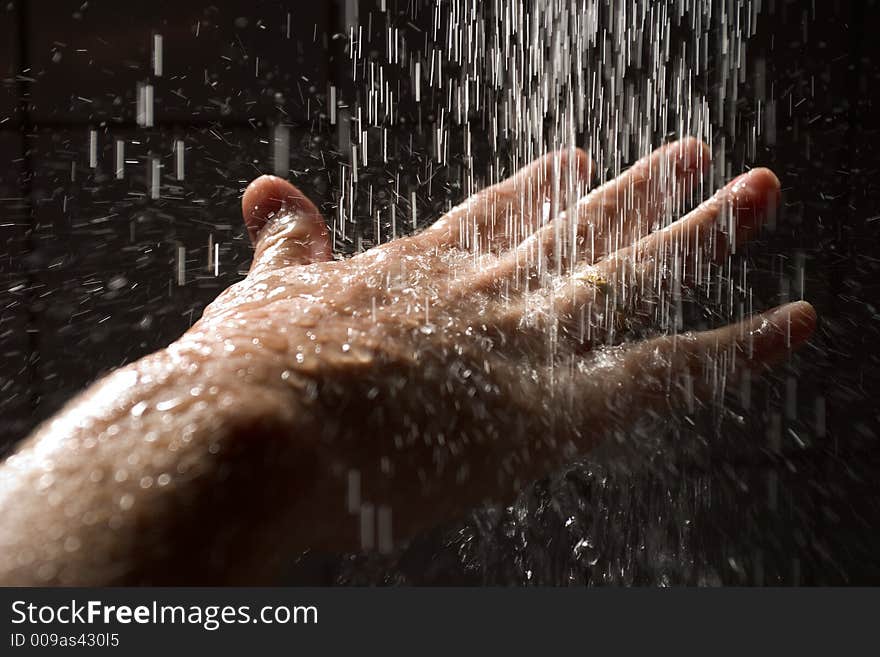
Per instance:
x=171, y=469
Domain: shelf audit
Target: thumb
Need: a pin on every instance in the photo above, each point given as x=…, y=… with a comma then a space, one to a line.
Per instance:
x=285, y=227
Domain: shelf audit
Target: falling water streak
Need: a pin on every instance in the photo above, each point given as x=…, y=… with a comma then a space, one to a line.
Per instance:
x=157, y=55
x=93, y=149
x=145, y=105
x=181, y=265
x=178, y=160
x=154, y=176
x=120, y=159
x=281, y=150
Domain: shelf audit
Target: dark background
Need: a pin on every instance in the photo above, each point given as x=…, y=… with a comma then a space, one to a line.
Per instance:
x=90, y=276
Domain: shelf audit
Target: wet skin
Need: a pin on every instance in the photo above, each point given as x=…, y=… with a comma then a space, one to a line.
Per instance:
x=445, y=369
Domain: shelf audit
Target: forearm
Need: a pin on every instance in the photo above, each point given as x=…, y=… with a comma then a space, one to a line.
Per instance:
x=170, y=470
x=217, y=459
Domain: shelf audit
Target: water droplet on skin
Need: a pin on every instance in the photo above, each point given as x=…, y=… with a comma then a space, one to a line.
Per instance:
x=168, y=404
x=126, y=501
x=25, y=557
x=47, y=571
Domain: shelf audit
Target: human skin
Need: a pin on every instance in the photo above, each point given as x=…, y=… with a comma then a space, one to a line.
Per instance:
x=443, y=369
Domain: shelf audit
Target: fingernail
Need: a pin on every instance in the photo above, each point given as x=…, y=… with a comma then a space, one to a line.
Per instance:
x=798, y=318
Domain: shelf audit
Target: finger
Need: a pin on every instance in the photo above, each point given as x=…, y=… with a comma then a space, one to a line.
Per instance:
x=711, y=231
x=694, y=363
x=620, y=386
x=640, y=200
x=284, y=226
x=505, y=213
x=679, y=371
x=612, y=216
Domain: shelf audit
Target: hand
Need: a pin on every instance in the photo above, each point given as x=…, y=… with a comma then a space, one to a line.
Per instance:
x=437, y=370
x=444, y=366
